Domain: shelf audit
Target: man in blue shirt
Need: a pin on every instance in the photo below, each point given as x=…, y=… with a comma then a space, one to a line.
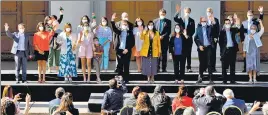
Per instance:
x=56, y=102
x=232, y=101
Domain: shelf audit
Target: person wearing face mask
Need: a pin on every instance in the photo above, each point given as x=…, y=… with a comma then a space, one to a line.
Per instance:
x=150, y=51
x=79, y=29
x=22, y=49
x=86, y=48
x=189, y=25
x=215, y=31
x=229, y=48
x=137, y=31
x=251, y=48
x=163, y=26
x=124, y=43
x=205, y=43
x=41, y=46
x=104, y=34
x=97, y=57
x=52, y=23
x=124, y=17
x=177, y=50
x=68, y=44
x=247, y=24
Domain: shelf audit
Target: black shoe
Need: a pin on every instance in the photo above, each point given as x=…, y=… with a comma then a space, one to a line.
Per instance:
x=116, y=71
x=211, y=82
x=199, y=80
x=214, y=70
x=244, y=70
x=164, y=70
x=158, y=71
x=17, y=82
x=24, y=81
x=233, y=82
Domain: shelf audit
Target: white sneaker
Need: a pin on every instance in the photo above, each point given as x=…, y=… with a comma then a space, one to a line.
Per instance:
x=254, y=81
x=250, y=81
x=66, y=80
x=70, y=80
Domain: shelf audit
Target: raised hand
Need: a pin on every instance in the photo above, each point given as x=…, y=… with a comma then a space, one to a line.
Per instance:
x=113, y=16
x=235, y=16
x=260, y=9
x=178, y=8
x=6, y=26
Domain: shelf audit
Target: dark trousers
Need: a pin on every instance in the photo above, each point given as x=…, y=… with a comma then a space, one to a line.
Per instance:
x=179, y=66
x=245, y=63
x=163, y=57
x=205, y=61
x=189, y=54
x=20, y=62
x=213, y=57
x=123, y=63
x=228, y=59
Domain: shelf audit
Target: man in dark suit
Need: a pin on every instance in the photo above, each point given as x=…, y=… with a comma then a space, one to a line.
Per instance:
x=205, y=44
x=229, y=48
x=189, y=25
x=215, y=29
x=124, y=17
x=22, y=49
x=246, y=26
x=123, y=46
x=163, y=25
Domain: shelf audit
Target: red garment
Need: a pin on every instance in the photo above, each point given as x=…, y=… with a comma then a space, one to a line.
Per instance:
x=184, y=102
x=42, y=42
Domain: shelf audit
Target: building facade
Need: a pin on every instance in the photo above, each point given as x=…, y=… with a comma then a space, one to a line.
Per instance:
x=32, y=12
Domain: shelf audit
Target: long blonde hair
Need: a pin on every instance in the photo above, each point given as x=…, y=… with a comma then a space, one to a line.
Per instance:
x=143, y=102
x=68, y=25
x=66, y=102
x=8, y=92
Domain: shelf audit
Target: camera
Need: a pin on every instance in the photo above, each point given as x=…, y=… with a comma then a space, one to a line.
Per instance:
x=22, y=95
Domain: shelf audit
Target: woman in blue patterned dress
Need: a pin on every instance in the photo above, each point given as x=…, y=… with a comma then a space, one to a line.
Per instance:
x=68, y=41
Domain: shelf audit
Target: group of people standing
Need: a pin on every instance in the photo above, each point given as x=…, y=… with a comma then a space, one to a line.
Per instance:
x=149, y=43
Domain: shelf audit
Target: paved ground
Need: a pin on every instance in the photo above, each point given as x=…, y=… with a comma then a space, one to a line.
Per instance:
x=10, y=65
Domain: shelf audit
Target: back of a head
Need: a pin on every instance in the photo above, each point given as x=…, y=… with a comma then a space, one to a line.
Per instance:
x=210, y=91
x=182, y=92
x=189, y=111
x=112, y=83
x=8, y=107
x=66, y=102
x=136, y=90
x=158, y=89
x=143, y=101
x=232, y=110
x=7, y=92
x=59, y=92
x=228, y=93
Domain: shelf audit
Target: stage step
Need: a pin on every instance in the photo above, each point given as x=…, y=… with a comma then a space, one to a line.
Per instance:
x=32, y=75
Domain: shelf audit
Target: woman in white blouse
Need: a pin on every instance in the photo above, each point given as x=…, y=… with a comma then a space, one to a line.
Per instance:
x=139, y=27
x=251, y=49
x=68, y=41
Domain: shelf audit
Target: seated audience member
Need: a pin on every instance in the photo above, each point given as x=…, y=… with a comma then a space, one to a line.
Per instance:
x=257, y=106
x=189, y=111
x=8, y=94
x=66, y=105
x=182, y=100
x=231, y=100
x=144, y=105
x=8, y=106
x=131, y=101
x=208, y=101
x=56, y=102
x=113, y=98
x=160, y=101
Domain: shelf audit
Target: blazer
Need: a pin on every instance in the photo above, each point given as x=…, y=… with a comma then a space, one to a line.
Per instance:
x=156, y=46
x=223, y=39
x=130, y=40
x=166, y=29
x=257, y=40
x=215, y=29
x=244, y=26
x=62, y=40
x=27, y=44
x=116, y=36
x=190, y=27
x=172, y=45
x=199, y=40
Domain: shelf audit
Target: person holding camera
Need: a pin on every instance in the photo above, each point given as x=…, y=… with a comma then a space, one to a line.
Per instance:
x=259, y=105
x=113, y=98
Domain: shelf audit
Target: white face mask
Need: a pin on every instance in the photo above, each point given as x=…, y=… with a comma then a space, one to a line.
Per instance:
x=250, y=17
x=186, y=14
x=49, y=21
x=139, y=23
x=103, y=23
x=162, y=17
x=177, y=30
x=253, y=31
x=150, y=27
x=227, y=26
x=124, y=27
x=21, y=30
x=84, y=21
x=203, y=23
x=86, y=28
x=208, y=14
x=68, y=29
x=125, y=19
x=41, y=28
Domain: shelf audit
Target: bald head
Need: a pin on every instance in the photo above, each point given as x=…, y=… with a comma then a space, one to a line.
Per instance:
x=228, y=93
x=209, y=91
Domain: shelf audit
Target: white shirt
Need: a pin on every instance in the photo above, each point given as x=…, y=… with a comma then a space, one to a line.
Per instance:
x=186, y=21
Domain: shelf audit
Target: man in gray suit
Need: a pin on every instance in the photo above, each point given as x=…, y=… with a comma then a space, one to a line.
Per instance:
x=21, y=48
